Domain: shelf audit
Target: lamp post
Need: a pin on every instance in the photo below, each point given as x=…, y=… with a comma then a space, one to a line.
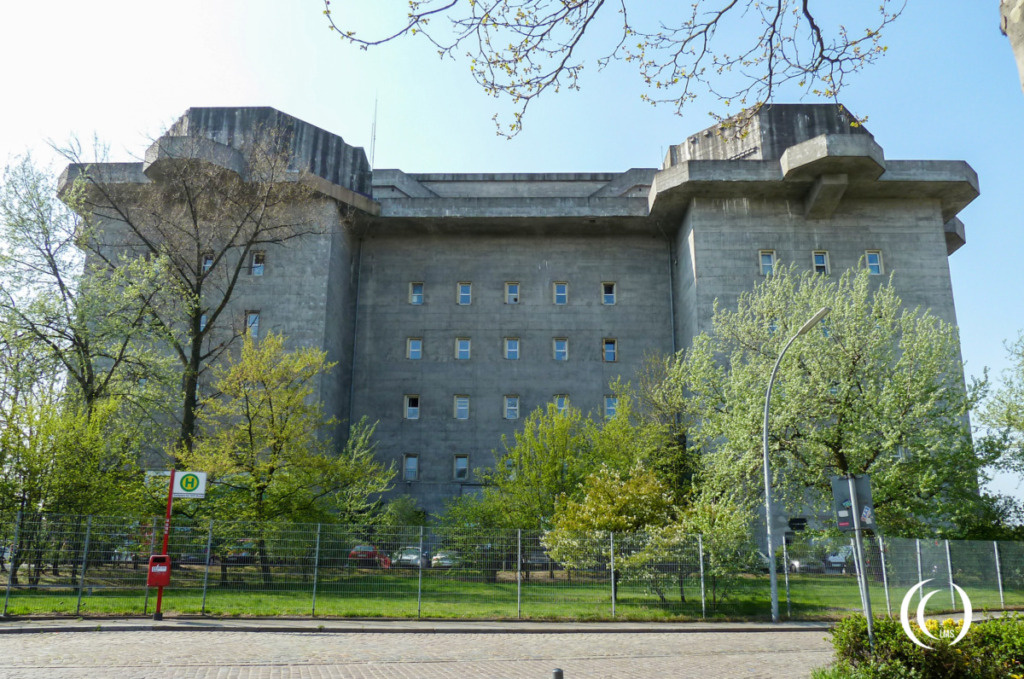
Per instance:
x=767, y=470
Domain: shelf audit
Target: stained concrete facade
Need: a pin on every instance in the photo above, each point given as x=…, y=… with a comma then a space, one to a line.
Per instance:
x=670, y=241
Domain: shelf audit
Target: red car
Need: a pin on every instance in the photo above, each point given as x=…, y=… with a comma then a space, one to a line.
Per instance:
x=368, y=556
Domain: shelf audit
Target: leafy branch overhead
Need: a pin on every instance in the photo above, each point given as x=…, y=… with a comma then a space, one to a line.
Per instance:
x=520, y=49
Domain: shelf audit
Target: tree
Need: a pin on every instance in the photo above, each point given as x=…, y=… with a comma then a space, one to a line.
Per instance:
x=207, y=209
x=877, y=389
x=1003, y=412
x=524, y=48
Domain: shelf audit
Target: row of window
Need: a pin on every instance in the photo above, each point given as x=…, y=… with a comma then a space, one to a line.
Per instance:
x=819, y=261
x=257, y=260
x=464, y=293
x=411, y=467
x=510, y=406
x=512, y=347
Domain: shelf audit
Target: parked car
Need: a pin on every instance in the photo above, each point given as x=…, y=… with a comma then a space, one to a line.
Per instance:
x=840, y=561
x=410, y=557
x=368, y=556
x=241, y=553
x=446, y=558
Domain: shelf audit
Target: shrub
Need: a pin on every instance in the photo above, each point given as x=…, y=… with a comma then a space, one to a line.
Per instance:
x=992, y=648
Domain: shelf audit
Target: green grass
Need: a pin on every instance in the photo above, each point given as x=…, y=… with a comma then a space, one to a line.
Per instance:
x=240, y=591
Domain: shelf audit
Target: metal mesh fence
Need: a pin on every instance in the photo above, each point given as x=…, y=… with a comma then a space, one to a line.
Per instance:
x=97, y=565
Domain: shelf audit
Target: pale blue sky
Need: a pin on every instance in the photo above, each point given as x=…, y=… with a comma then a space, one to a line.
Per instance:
x=124, y=69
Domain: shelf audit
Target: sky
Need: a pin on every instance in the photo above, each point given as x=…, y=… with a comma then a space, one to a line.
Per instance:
x=122, y=70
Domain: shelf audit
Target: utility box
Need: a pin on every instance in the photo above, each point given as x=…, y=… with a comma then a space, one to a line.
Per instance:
x=159, y=573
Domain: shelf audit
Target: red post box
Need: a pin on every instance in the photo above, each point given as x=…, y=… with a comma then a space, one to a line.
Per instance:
x=159, y=573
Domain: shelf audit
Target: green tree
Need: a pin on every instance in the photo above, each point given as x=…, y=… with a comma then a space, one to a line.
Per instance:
x=877, y=389
x=1003, y=412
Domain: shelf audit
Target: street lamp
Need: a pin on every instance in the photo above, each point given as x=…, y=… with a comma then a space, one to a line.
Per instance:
x=767, y=471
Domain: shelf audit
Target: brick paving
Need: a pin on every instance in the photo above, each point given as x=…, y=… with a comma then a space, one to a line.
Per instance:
x=494, y=653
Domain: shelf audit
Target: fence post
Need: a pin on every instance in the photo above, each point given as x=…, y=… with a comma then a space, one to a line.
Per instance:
x=700, y=555
x=611, y=539
x=920, y=574
x=152, y=548
x=519, y=572
x=998, y=575
x=85, y=560
x=206, y=572
x=885, y=576
x=316, y=566
x=419, y=582
x=949, y=569
x=785, y=569
x=12, y=563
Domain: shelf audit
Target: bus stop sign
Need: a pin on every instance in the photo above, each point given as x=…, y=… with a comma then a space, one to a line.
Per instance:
x=843, y=505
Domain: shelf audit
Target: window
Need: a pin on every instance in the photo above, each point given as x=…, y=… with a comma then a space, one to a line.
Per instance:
x=610, y=353
x=412, y=406
x=561, y=346
x=252, y=324
x=512, y=348
x=511, y=407
x=414, y=348
x=874, y=261
x=608, y=293
x=411, y=468
x=461, y=407
x=202, y=322
x=819, y=261
x=512, y=293
x=462, y=348
x=416, y=293
x=258, y=259
x=460, y=470
x=561, y=293
x=207, y=261
x=464, y=294
x=611, y=405
x=767, y=258
x=561, y=402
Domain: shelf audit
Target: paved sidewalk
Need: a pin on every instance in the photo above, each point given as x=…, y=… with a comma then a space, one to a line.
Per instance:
x=344, y=649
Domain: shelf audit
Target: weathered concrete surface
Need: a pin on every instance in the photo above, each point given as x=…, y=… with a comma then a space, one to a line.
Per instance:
x=1011, y=14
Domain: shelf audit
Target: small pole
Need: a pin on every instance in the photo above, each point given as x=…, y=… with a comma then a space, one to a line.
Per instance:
x=611, y=543
x=85, y=560
x=785, y=570
x=885, y=577
x=157, y=614
x=419, y=583
x=11, y=563
x=556, y=674
x=519, y=572
x=316, y=566
x=920, y=574
x=152, y=548
x=858, y=555
x=949, y=569
x=703, y=597
x=998, y=575
x=206, y=573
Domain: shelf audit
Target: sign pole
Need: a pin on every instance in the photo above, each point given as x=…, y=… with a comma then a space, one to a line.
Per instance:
x=859, y=556
x=157, y=614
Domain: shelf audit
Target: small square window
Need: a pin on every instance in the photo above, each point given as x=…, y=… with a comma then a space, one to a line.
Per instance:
x=512, y=348
x=512, y=293
x=207, y=261
x=252, y=324
x=414, y=348
x=874, y=261
x=561, y=293
x=411, y=468
x=819, y=261
x=464, y=294
x=610, y=351
x=561, y=402
x=416, y=293
x=412, y=406
x=259, y=258
x=462, y=348
x=511, y=407
x=460, y=470
x=561, y=348
x=767, y=259
x=611, y=406
x=461, y=407
x=608, y=293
